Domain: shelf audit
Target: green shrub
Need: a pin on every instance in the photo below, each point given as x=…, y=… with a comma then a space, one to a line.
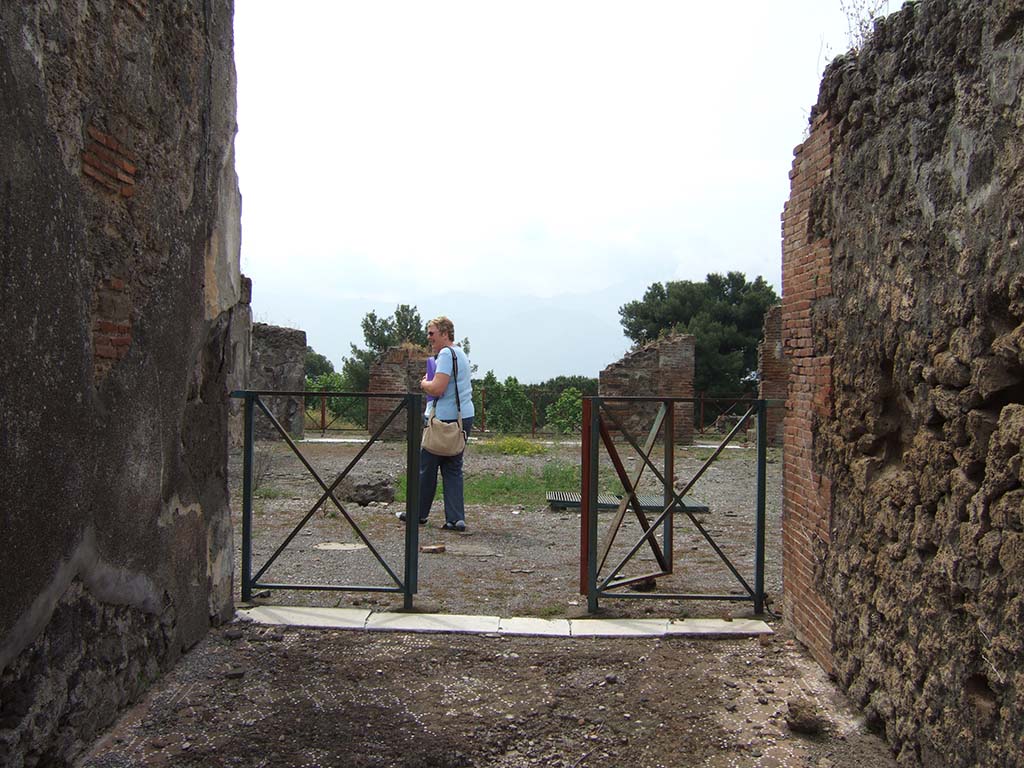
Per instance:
x=566, y=414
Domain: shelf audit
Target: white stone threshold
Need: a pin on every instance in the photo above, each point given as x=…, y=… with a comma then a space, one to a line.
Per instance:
x=356, y=618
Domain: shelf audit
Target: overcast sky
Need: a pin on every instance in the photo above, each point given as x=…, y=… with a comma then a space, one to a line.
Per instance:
x=525, y=168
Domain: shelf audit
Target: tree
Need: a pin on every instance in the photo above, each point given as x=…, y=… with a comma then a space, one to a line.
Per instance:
x=566, y=414
x=724, y=313
x=546, y=393
x=504, y=406
x=317, y=364
x=380, y=334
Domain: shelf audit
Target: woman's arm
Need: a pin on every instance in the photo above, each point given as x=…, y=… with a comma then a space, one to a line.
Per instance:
x=436, y=386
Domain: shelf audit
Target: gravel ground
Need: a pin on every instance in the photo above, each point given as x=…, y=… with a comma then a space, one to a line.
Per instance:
x=251, y=695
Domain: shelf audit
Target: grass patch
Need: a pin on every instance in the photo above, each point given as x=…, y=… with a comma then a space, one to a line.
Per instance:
x=519, y=487
x=268, y=492
x=510, y=446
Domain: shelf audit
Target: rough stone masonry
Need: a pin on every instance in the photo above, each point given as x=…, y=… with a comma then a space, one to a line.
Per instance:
x=903, y=319
x=119, y=274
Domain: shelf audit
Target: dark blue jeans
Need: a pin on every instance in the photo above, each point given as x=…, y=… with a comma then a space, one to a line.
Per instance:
x=451, y=473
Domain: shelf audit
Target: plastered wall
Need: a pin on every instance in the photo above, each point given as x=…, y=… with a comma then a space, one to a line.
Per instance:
x=119, y=235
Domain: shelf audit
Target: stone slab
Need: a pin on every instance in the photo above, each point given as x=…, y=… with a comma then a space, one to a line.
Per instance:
x=332, y=618
x=527, y=625
x=718, y=627
x=433, y=622
x=617, y=627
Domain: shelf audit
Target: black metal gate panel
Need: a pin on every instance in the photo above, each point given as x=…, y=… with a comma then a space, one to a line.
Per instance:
x=602, y=576
x=406, y=583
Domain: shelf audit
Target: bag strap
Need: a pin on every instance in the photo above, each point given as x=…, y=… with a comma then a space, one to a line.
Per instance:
x=455, y=378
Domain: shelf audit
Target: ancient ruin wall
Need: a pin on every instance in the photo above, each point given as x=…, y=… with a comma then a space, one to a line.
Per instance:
x=773, y=373
x=807, y=499
x=910, y=373
x=119, y=233
x=662, y=368
x=278, y=363
x=399, y=369
x=239, y=362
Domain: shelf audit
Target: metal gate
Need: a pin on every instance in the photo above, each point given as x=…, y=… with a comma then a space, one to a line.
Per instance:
x=599, y=577
x=406, y=584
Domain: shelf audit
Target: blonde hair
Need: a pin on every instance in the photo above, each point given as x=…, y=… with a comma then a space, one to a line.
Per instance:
x=443, y=325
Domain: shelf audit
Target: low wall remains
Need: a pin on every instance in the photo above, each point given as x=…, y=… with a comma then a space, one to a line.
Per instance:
x=773, y=373
x=662, y=368
x=278, y=363
x=398, y=369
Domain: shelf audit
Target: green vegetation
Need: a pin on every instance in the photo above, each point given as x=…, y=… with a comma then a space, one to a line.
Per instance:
x=505, y=405
x=509, y=446
x=566, y=414
x=524, y=486
x=268, y=492
x=725, y=314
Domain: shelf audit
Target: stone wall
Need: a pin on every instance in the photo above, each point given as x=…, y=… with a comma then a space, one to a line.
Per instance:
x=278, y=363
x=773, y=373
x=662, y=368
x=239, y=362
x=119, y=225
x=903, y=304
x=399, y=369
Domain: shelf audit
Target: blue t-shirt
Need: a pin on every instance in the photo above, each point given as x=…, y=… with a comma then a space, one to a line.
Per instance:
x=445, y=406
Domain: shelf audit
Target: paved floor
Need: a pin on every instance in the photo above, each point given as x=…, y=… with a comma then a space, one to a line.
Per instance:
x=356, y=618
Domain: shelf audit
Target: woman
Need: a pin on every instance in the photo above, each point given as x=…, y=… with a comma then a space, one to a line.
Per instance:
x=440, y=335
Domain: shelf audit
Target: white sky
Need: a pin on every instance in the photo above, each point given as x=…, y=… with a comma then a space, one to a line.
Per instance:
x=525, y=168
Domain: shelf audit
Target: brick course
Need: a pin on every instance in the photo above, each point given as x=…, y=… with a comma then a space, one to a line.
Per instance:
x=773, y=372
x=806, y=270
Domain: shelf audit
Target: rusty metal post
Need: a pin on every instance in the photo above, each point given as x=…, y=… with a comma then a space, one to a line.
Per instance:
x=669, y=426
x=588, y=494
x=323, y=414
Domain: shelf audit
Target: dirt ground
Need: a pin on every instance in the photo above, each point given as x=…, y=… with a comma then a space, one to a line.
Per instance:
x=251, y=695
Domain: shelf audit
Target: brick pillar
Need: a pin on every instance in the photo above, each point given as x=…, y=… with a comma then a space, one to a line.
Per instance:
x=807, y=497
x=773, y=372
x=398, y=369
x=662, y=368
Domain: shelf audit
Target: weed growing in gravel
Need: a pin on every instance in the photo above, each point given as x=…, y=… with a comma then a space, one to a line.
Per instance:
x=510, y=446
x=268, y=492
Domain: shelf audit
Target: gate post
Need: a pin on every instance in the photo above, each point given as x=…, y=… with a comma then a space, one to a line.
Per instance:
x=762, y=445
x=414, y=435
x=588, y=501
x=248, y=446
x=669, y=425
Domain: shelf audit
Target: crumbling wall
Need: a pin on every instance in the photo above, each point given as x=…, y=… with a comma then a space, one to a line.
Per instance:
x=773, y=373
x=119, y=272
x=278, y=363
x=398, y=369
x=239, y=361
x=908, y=347
x=662, y=368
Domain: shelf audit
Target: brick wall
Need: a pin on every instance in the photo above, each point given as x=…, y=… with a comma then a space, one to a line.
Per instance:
x=806, y=270
x=399, y=369
x=662, y=368
x=773, y=372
